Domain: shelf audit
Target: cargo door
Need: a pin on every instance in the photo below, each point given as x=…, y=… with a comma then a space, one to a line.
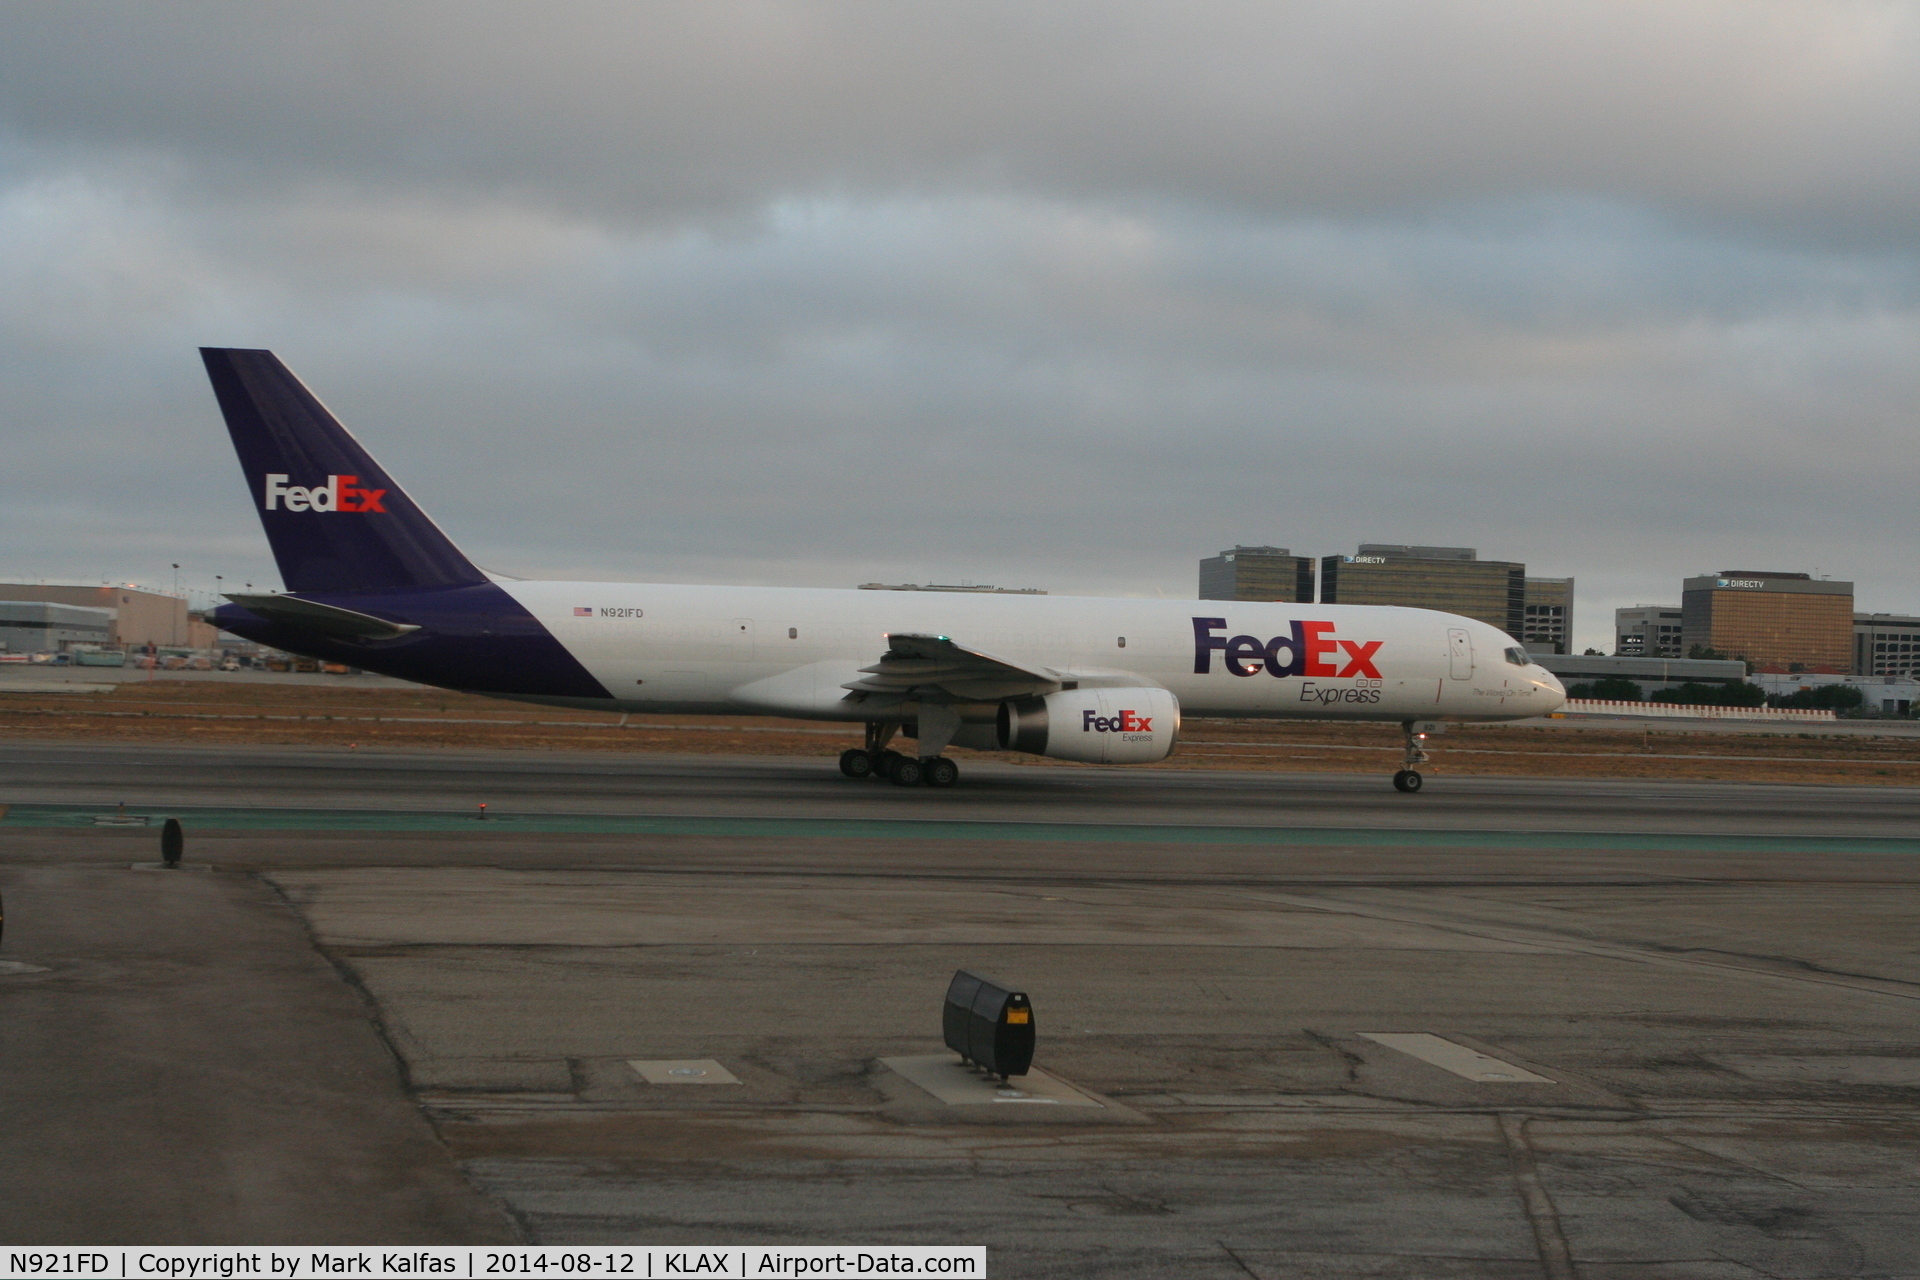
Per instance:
x=1459, y=653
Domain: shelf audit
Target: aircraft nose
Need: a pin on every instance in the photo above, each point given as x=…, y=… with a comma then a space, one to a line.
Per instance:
x=1551, y=686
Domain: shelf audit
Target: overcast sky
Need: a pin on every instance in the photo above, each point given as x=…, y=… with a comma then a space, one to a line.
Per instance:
x=1061, y=295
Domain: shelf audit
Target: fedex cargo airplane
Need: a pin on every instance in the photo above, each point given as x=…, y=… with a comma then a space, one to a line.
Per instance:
x=372, y=582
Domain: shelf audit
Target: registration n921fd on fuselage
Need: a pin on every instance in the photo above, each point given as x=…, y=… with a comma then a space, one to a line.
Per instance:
x=372, y=582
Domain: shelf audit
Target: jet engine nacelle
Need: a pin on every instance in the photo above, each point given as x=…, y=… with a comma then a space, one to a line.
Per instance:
x=1101, y=726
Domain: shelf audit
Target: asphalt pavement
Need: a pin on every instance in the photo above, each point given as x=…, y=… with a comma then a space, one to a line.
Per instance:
x=1503, y=1028
x=512, y=783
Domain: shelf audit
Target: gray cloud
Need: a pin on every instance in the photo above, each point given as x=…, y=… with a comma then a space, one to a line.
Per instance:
x=1770, y=113
x=1069, y=296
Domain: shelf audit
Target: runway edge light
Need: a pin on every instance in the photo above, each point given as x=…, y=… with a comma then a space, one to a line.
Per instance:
x=989, y=1025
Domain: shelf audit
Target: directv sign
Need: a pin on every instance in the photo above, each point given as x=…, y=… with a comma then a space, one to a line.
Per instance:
x=1790, y=583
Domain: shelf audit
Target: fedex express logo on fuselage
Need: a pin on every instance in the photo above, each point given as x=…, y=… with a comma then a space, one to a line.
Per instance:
x=339, y=493
x=1305, y=650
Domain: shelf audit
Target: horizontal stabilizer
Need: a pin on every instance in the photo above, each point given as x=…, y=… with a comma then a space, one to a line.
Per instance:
x=322, y=619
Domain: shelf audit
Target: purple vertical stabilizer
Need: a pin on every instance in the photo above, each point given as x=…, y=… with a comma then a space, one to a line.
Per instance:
x=336, y=521
x=352, y=546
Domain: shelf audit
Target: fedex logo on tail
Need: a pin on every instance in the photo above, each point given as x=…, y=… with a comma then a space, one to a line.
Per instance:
x=339, y=493
x=1306, y=650
x=1125, y=722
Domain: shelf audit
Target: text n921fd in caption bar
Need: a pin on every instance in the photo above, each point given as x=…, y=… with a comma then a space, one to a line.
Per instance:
x=244, y=1262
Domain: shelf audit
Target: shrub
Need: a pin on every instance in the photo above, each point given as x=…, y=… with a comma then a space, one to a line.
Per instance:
x=1607, y=689
x=1696, y=694
x=1831, y=697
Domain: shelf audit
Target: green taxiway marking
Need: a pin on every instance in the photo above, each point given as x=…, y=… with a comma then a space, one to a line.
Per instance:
x=403, y=820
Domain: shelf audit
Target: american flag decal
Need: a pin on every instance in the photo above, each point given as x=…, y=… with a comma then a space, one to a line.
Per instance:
x=582, y=613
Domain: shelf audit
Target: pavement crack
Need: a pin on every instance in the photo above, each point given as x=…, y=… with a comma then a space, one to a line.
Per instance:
x=1556, y=1258
x=1547, y=939
x=1238, y=1260
x=1350, y=1059
x=1746, y=1165
x=1791, y=962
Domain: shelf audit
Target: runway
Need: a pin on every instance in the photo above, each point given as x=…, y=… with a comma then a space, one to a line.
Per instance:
x=377, y=1014
x=516, y=783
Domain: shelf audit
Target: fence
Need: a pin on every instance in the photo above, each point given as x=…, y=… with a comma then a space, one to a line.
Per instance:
x=1670, y=710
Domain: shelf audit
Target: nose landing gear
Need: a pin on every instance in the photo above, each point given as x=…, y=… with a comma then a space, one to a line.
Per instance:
x=1408, y=779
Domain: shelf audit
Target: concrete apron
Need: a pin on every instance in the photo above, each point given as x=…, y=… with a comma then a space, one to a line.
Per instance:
x=189, y=1070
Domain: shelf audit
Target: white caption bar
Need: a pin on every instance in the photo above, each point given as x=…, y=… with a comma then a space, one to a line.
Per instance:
x=229, y=1262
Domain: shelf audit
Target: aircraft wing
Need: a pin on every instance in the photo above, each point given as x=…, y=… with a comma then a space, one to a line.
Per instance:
x=916, y=664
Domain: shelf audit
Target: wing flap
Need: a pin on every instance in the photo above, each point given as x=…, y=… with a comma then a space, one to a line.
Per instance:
x=915, y=663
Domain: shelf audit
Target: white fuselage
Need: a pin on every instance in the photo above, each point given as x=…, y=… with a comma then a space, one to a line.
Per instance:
x=789, y=651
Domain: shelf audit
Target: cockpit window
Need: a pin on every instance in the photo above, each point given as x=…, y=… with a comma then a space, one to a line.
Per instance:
x=1519, y=658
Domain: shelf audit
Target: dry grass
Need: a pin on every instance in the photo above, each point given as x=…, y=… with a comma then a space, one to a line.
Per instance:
x=350, y=717
x=1765, y=755
x=345, y=715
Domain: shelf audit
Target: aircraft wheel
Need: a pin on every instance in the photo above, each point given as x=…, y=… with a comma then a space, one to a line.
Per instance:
x=1406, y=780
x=942, y=772
x=908, y=772
x=856, y=763
x=883, y=762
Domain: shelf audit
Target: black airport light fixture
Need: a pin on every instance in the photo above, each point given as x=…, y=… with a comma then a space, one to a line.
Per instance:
x=988, y=1025
x=173, y=842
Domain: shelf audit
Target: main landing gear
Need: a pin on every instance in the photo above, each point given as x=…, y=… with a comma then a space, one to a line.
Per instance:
x=1408, y=779
x=875, y=760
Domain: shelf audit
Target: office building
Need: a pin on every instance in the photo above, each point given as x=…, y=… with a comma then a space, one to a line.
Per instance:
x=1886, y=644
x=1450, y=579
x=1780, y=622
x=1548, y=619
x=1257, y=573
x=139, y=617
x=33, y=626
x=1648, y=631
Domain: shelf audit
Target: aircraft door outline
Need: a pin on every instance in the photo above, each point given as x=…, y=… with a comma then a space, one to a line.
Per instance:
x=1459, y=653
